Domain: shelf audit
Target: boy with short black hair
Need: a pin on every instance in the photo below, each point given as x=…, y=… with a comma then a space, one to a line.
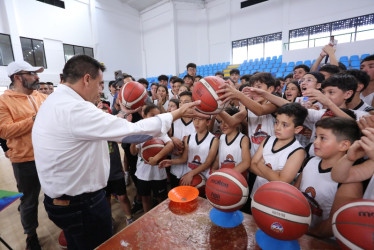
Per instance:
x=191, y=69
x=150, y=178
x=144, y=82
x=299, y=71
x=163, y=80
x=328, y=70
x=334, y=136
x=179, y=129
x=363, y=80
x=234, y=77
x=280, y=157
x=219, y=74
x=367, y=65
x=175, y=85
x=188, y=80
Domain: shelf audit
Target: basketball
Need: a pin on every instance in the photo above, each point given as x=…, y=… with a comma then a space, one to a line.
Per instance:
x=227, y=190
x=132, y=95
x=198, y=181
x=281, y=211
x=151, y=148
x=205, y=90
x=353, y=225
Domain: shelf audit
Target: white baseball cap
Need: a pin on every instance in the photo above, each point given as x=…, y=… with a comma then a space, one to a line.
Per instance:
x=17, y=66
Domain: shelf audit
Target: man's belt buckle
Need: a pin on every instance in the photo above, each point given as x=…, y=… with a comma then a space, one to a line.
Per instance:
x=58, y=202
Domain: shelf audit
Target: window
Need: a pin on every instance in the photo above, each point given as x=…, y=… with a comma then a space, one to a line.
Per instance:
x=239, y=51
x=257, y=47
x=345, y=31
x=72, y=50
x=33, y=51
x=6, y=52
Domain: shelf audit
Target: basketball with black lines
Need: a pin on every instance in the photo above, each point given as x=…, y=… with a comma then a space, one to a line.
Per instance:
x=151, y=148
x=227, y=190
x=205, y=90
x=281, y=211
x=353, y=225
x=132, y=95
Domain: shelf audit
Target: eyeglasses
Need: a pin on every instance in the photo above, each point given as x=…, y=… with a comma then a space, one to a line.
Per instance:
x=31, y=73
x=306, y=80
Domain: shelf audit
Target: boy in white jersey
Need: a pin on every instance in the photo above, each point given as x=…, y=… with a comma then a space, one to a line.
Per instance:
x=199, y=152
x=334, y=136
x=260, y=118
x=363, y=80
x=367, y=65
x=279, y=157
x=179, y=129
x=150, y=177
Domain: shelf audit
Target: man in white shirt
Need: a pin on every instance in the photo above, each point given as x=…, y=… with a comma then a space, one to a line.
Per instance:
x=70, y=137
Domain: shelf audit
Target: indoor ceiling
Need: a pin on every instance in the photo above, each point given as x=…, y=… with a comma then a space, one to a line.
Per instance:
x=141, y=5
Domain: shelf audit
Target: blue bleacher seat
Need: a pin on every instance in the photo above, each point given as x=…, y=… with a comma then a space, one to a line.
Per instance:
x=355, y=67
x=276, y=65
x=266, y=70
x=346, y=63
x=261, y=59
x=291, y=64
x=289, y=69
x=306, y=62
x=281, y=69
x=250, y=67
x=354, y=58
x=279, y=74
x=274, y=58
x=283, y=65
x=254, y=71
x=274, y=70
x=363, y=56
x=256, y=67
x=287, y=72
x=298, y=63
x=269, y=66
x=262, y=67
x=355, y=63
x=343, y=59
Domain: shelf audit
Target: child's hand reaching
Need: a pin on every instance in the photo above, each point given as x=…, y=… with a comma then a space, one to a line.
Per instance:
x=355, y=152
x=186, y=179
x=164, y=164
x=367, y=142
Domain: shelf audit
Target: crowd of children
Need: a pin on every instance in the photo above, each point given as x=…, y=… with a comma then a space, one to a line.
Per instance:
x=314, y=130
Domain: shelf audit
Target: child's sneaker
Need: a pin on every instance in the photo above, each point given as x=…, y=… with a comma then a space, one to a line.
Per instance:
x=62, y=240
x=136, y=207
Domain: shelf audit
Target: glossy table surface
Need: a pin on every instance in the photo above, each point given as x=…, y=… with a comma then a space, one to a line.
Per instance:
x=161, y=228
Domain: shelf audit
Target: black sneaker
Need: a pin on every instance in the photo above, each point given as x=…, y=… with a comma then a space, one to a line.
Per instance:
x=32, y=242
x=136, y=207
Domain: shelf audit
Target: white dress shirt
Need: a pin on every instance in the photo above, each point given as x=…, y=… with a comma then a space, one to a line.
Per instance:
x=70, y=142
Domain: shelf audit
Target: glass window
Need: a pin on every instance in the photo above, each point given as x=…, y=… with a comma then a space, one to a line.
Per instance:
x=72, y=50
x=319, y=35
x=33, y=52
x=68, y=51
x=239, y=51
x=299, y=38
x=273, y=45
x=344, y=30
x=6, y=52
x=365, y=27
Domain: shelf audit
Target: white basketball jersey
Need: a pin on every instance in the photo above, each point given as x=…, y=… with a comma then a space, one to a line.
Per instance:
x=275, y=159
x=259, y=127
x=180, y=129
x=230, y=154
x=147, y=172
x=198, y=152
x=363, y=107
x=319, y=189
x=369, y=192
x=367, y=99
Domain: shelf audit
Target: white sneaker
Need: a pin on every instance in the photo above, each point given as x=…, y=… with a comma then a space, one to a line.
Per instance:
x=127, y=178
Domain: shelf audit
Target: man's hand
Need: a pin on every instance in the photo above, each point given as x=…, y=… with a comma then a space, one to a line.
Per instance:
x=328, y=49
x=188, y=110
x=229, y=92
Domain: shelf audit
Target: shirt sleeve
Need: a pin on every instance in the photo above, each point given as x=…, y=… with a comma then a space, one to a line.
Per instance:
x=90, y=123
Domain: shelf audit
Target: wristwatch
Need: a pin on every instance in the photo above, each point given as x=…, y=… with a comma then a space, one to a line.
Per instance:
x=125, y=115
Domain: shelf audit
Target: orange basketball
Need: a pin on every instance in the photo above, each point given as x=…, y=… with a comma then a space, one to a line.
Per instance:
x=151, y=148
x=227, y=190
x=198, y=181
x=205, y=90
x=132, y=95
x=353, y=225
x=281, y=210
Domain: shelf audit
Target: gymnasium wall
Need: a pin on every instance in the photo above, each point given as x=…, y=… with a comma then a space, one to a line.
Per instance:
x=165, y=37
x=111, y=28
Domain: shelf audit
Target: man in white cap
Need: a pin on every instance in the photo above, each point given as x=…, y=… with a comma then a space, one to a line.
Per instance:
x=18, y=108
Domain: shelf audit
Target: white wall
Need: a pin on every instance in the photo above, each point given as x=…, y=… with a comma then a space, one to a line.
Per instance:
x=110, y=27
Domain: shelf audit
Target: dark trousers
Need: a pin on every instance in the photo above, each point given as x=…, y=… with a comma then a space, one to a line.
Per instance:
x=28, y=183
x=174, y=181
x=86, y=218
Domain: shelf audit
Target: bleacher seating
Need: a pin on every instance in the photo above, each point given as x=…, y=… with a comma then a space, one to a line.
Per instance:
x=274, y=65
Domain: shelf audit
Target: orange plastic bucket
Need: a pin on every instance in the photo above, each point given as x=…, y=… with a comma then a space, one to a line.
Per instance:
x=183, y=199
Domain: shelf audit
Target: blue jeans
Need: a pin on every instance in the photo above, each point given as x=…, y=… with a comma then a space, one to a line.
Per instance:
x=86, y=218
x=28, y=183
